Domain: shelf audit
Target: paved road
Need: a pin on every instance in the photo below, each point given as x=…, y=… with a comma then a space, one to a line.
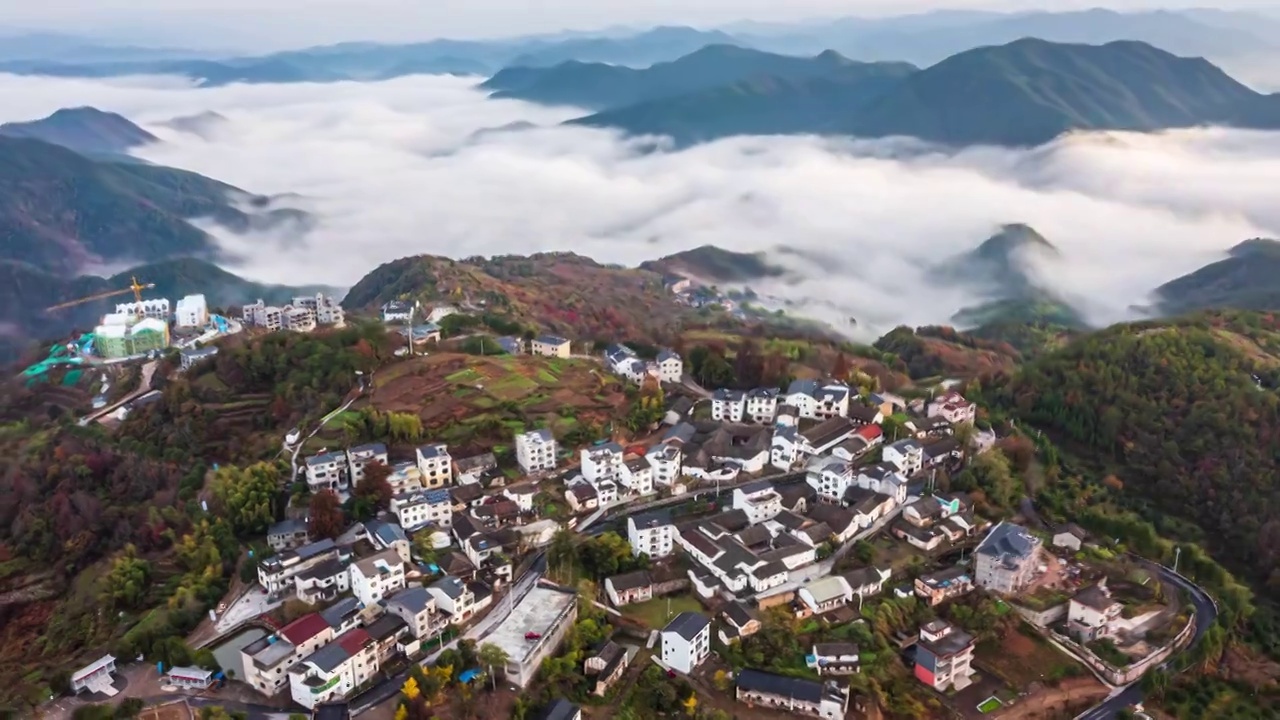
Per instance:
x=1206, y=614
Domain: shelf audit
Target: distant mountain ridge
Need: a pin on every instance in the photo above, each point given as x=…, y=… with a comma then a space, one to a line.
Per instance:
x=86, y=130
x=602, y=86
x=1245, y=279
x=1024, y=93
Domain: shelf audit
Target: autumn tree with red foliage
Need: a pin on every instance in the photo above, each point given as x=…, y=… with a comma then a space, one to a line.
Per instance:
x=325, y=517
x=374, y=487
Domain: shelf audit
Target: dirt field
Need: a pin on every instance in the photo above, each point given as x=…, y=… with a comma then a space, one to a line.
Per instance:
x=170, y=711
x=1074, y=694
x=1020, y=659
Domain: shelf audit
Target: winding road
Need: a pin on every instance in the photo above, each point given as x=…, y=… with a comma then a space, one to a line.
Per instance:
x=1130, y=695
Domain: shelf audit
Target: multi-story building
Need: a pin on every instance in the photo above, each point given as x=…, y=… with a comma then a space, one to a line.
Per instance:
x=632, y=587
x=952, y=407
x=267, y=660
x=728, y=405
x=652, y=537
x=421, y=507
x=759, y=500
x=1092, y=613
x=666, y=459
x=322, y=583
x=416, y=606
x=287, y=534
x=188, y=357
x=637, y=476
x=602, y=463
x=328, y=471
x=155, y=308
x=828, y=701
x=536, y=451
x=686, y=641
x=944, y=656
x=454, y=597
x=276, y=573
x=377, y=576
x=360, y=456
x=883, y=478
x=818, y=401
x=298, y=319
x=906, y=455
x=762, y=405
x=936, y=588
x=334, y=670
x=670, y=367
x=262, y=315
x=435, y=464
x=122, y=336
x=397, y=311
x=1006, y=559
x=550, y=346
x=191, y=312
x=327, y=310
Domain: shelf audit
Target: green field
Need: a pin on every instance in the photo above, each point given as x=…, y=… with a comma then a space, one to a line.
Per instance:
x=654, y=612
x=991, y=704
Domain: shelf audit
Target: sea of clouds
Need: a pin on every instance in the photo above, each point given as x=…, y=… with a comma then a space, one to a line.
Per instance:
x=431, y=165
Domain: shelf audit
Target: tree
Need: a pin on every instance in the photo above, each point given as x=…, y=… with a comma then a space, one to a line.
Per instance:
x=424, y=548
x=410, y=689
x=722, y=681
x=247, y=496
x=126, y=584
x=325, y=518
x=374, y=484
x=492, y=656
x=842, y=367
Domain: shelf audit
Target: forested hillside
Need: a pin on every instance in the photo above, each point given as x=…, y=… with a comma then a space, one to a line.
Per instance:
x=1184, y=413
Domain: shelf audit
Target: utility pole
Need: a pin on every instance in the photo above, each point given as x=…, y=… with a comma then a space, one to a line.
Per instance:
x=1177, y=554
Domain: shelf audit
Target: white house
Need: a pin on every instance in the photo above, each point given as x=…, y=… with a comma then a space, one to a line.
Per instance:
x=762, y=405
x=784, y=447
x=883, y=478
x=831, y=479
x=327, y=471
x=276, y=573
x=601, y=463
x=334, y=670
x=191, y=312
x=818, y=401
x=825, y=594
x=550, y=346
x=298, y=319
x=953, y=407
x=454, y=597
x=582, y=497
x=188, y=357
x=417, y=608
x=435, y=465
x=670, y=367
x=536, y=451
x=686, y=641
x=1092, y=613
x=652, y=537
x=377, y=576
x=267, y=660
x=360, y=456
x=728, y=405
x=759, y=500
x=637, y=476
x=154, y=308
x=666, y=460
x=322, y=583
x=417, y=508
x=907, y=455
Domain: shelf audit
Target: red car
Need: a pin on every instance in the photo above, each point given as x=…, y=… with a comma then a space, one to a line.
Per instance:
x=532, y=636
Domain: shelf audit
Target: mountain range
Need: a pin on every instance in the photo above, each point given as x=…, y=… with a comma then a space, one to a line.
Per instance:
x=1024, y=93
x=1245, y=279
x=921, y=39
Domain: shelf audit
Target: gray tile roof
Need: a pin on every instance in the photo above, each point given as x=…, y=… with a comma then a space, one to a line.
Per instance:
x=412, y=599
x=687, y=625
x=763, y=682
x=1008, y=540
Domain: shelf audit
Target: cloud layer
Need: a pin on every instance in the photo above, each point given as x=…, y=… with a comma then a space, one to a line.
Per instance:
x=423, y=165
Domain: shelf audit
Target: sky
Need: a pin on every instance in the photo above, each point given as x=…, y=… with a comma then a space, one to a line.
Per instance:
x=430, y=165
x=254, y=25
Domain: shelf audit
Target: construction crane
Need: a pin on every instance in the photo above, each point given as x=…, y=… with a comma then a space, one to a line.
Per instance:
x=134, y=287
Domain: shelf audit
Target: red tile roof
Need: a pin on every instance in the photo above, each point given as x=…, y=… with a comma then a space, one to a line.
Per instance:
x=304, y=628
x=353, y=641
x=869, y=432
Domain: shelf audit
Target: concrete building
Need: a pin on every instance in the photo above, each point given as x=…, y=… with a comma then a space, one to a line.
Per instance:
x=435, y=465
x=155, y=309
x=550, y=346
x=266, y=661
x=602, y=463
x=837, y=658
x=361, y=456
x=666, y=459
x=122, y=336
x=334, y=670
x=1006, y=559
x=456, y=598
x=936, y=588
x=191, y=312
x=800, y=697
x=536, y=451
x=728, y=405
x=637, y=476
x=759, y=500
x=276, y=573
x=417, y=607
x=943, y=656
x=322, y=583
x=298, y=319
x=906, y=455
x=825, y=594
x=670, y=367
x=189, y=357
x=652, y=537
x=628, y=588
x=377, y=576
x=953, y=408
x=397, y=311
x=762, y=405
x=328, y=471
x=533, y=631
x=287, y=534
x=94, y=677
x=686, y=641
x=1092, y=613
x=422, y=507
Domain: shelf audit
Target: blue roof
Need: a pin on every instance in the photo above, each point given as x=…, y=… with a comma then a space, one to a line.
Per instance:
x=552, y=340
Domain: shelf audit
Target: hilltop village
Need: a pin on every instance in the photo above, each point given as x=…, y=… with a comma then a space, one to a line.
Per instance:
x=812, y=550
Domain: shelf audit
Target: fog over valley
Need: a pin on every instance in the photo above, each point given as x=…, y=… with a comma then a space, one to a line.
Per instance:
x=429, y=164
